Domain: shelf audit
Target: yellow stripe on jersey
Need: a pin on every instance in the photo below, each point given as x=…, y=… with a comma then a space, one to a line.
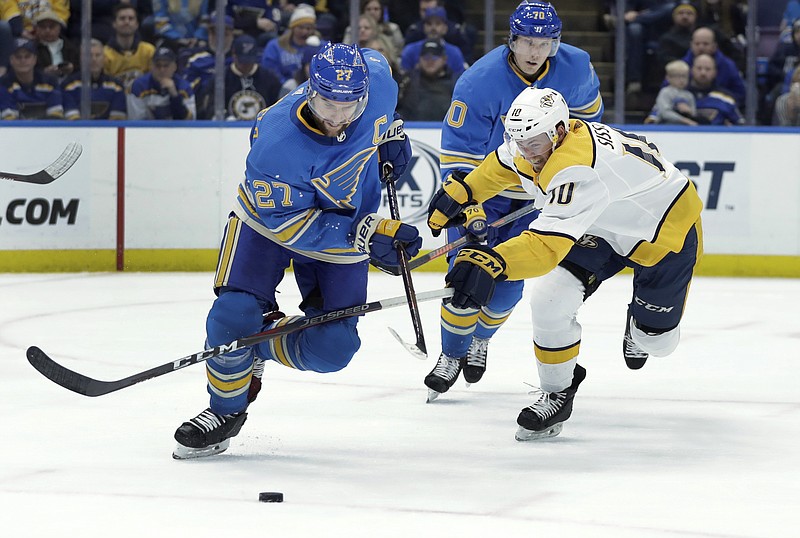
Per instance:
x=227, y=251
x=522, y=75
x=278, y=346
x=304, y=122
x=533, y=254
x=492, y=320
x=458, y=321
x=490, y=178
x=460, y=159
x=247, y=203
x=578, y=149
x=293, y=228
x=556, y=355
x=671, y=233
x=228, y=385
x=589, y=110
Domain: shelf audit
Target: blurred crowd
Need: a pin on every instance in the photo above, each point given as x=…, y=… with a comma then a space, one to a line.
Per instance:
x=156, y=59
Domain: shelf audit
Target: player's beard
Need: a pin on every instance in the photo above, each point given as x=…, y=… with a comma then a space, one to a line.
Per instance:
x=332, y=130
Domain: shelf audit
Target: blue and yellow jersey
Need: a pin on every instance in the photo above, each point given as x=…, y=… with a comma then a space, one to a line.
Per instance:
x=41, y=99
x=108, y=98
x=473, y=127
x=305, y=191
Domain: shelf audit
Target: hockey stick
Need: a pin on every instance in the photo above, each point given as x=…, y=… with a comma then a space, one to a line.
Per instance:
x=419, y=349
x=461, y=241
x=92, y=387
x=52, y=172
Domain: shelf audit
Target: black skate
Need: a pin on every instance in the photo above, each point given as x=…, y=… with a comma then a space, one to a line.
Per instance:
x=635, y=356
x=475, y=366
x=207, y=434
x=443, y=375
x=546, y=417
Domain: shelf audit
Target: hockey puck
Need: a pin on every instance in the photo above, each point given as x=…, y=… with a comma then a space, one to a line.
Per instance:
x=270, y=497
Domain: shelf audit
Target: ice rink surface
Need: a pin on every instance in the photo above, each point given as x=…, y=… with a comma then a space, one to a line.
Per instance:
x=704, y=443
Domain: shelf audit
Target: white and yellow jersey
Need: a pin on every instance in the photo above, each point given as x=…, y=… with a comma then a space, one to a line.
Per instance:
x=601, y=182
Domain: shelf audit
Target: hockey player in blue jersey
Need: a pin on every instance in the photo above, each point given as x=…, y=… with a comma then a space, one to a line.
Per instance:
x=472, y=129
x=311, y=187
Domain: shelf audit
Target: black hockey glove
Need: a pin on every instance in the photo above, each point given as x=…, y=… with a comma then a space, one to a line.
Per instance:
x=394, y=151
x=473, y=277
x=380, y=237
x=449, y=202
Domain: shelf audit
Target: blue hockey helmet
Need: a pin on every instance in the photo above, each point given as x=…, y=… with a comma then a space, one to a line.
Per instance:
x=338, y=83
x=538, y=20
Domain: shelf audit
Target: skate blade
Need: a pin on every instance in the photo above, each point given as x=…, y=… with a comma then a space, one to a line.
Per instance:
x=524, y=434
x=188, y=453
x=432, y=395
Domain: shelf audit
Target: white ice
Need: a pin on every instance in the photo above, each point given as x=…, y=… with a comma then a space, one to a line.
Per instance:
x=703, y=443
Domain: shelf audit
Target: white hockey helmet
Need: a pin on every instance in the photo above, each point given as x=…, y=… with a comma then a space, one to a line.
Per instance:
x=533, y=118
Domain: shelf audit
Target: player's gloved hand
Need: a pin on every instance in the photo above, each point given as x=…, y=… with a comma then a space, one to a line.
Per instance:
x=474, y=276
x=394, y=151
x=449, y=202
x=475, y=223
x=379, y=237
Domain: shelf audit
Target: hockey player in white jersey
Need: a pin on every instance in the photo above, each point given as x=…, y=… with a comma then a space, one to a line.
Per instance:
x=608, y=200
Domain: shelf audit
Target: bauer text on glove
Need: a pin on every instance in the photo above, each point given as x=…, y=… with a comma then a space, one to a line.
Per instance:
x=394, y=150
x=379, y=237
x=449, y=202
x=473, y=277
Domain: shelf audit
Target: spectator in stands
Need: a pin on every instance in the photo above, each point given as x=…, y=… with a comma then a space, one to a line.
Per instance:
x=673, y=44
x=391, y=31
x=284, y=54
x=645, y=21
x=787, y=106
x=790, y=14
x=108, y=93
x=435, y=24
x=102, y=19
x=161, y=94
x=249, y=88
x=179, y=23
x=10, y=27
x=300, y=75
x=127, y=56
x=201, y=64
x=260, y=19
x=369, y=32
x=456, y=34
x=397, y=72
x=30, y=8
x=783, y=61
x=704, y=41
x=715, y=106
x=57, y=56
x=728, y=19
x=427, y=94
x=675, y=104
x=26, y=93
x=403, y=12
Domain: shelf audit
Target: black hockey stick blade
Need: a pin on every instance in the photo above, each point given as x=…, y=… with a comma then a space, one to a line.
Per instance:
x=460, y=242
x=51, y=173
x=87, y=386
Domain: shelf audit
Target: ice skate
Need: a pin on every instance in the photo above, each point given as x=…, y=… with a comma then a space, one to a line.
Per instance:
x=443, y=375
x=475, y=366
x=635, y=356
x=207, y=434
x=546, y=417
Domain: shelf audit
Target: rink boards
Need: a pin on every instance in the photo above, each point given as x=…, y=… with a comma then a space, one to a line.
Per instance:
x=155, y=196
